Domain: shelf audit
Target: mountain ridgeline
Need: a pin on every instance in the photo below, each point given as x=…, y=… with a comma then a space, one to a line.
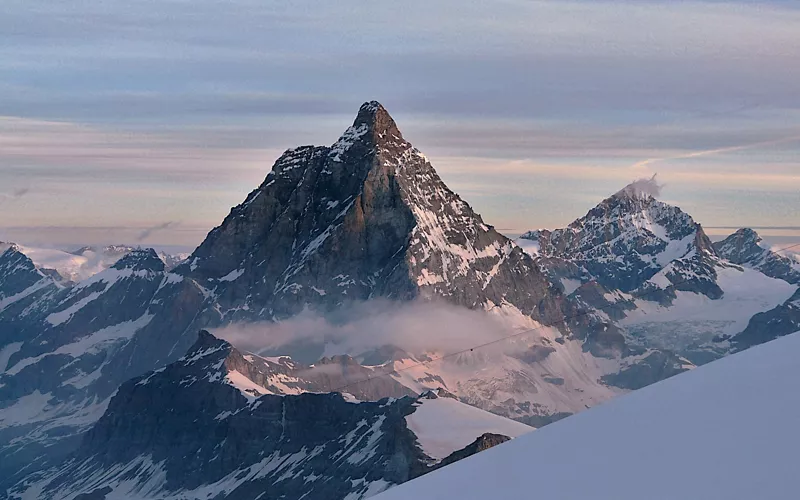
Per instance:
x=106, y=388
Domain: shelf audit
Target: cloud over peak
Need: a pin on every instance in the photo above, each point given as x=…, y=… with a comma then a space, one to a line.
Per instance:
x=642, y=188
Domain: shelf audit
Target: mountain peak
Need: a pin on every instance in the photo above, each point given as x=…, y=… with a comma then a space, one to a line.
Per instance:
x=745, y=247
x=140, y=259
x=4, y=246
x=373, y=117
x=367, y=217
x=205, y=340
x=747, y=233
x=370, y=112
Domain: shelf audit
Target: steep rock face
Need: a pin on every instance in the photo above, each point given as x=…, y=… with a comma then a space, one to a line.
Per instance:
x=19, y=275
x=196, y=430
x=745, y=247
x=367, y=217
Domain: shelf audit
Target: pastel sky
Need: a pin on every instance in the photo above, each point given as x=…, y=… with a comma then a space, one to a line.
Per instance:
x=143, y=121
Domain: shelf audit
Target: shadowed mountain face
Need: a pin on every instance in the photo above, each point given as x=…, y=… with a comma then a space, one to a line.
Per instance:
x=205, y=427
x=22, y=285
x=65, y=350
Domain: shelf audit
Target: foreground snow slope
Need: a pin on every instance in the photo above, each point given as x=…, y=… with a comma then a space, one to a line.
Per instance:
x=727, y=430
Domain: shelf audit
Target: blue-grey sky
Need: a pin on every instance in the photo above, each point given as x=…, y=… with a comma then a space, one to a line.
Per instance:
x=133, y=120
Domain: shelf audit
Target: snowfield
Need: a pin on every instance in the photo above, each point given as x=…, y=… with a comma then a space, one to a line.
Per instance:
x=694, y=318
x=445, y=425
x=727, y=430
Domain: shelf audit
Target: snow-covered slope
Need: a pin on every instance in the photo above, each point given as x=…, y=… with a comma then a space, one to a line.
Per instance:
x=695, y=319
x=727, y=430
x=444, y=425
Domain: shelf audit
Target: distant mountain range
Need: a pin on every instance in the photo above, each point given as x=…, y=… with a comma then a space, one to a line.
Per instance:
x=99, y=374
x=84, y=262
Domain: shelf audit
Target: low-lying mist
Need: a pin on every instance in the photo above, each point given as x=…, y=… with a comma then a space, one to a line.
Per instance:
x=415, y=327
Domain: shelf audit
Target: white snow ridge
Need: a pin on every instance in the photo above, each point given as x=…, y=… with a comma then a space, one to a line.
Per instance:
x=727, y=430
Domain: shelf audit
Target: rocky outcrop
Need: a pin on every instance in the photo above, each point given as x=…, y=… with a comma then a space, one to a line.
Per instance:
x=484, y=442
x=655, y=366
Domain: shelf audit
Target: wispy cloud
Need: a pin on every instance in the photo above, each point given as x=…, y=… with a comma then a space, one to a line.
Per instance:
x=14, y=195
x=717, y=151
x=154, y=229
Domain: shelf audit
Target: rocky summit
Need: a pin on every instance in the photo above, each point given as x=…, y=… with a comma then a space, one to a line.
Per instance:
x=747, y=248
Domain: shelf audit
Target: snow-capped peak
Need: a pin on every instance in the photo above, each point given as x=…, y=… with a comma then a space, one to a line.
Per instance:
x=629, y=238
